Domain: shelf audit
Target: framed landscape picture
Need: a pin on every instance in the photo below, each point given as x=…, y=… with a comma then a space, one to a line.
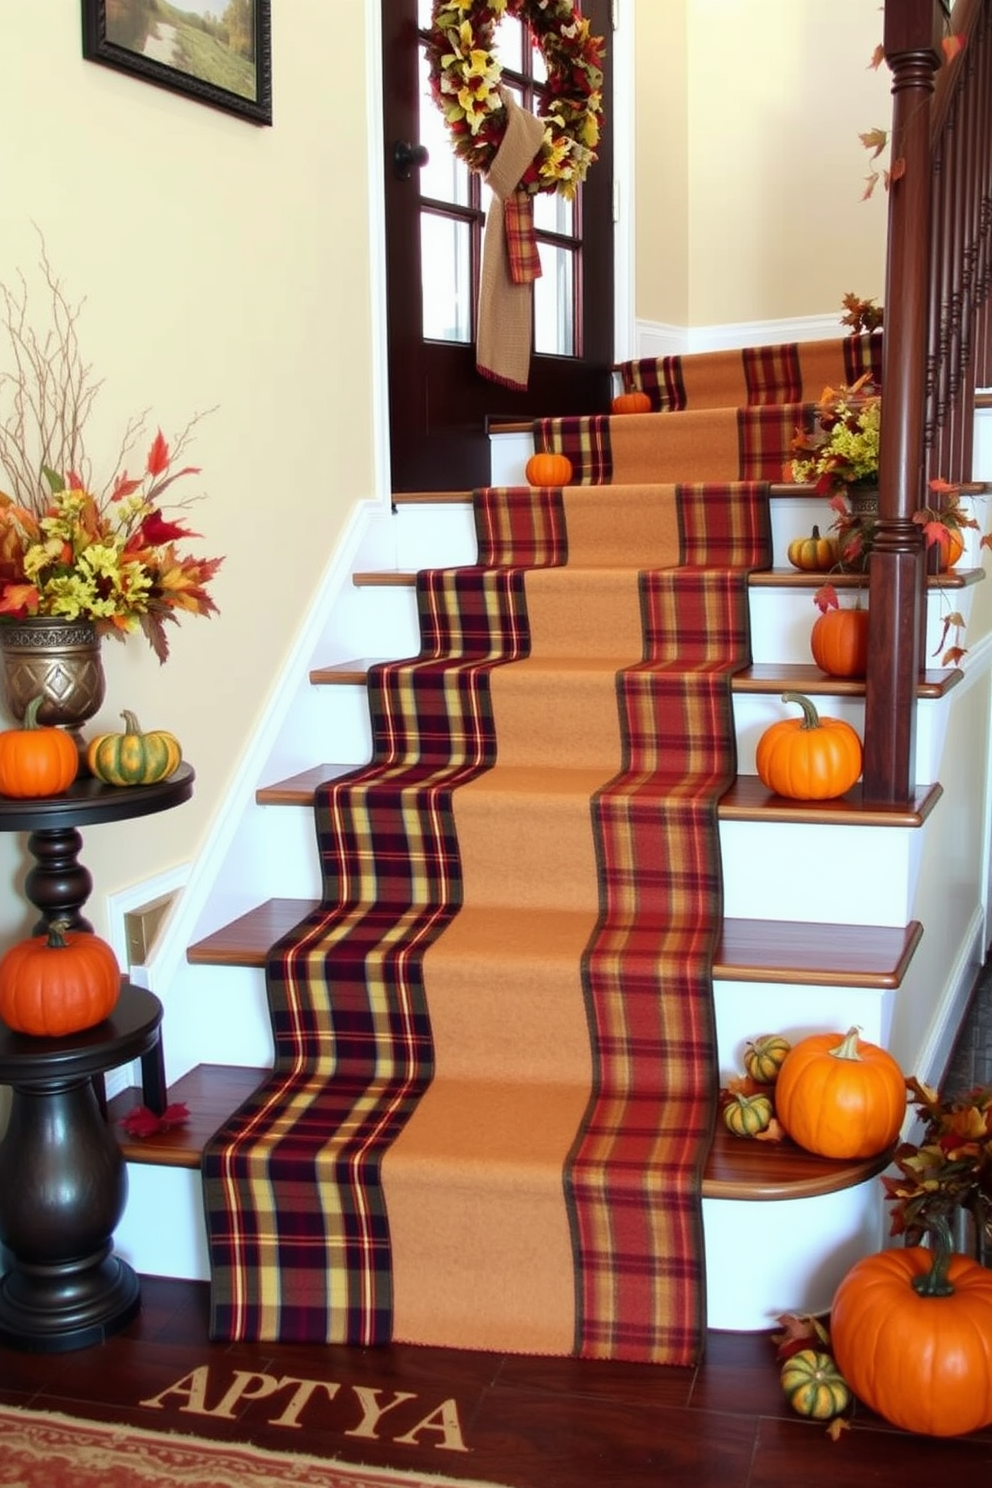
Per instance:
x=216, y=51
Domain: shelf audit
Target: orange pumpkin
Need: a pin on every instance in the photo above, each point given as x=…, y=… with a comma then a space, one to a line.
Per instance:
x=950, y=546
x=548, y=469
x=35, y=760
x=58, y=983
x=839, y=1096
x=912, y=1336
x=809, y=758
x=839, y=642
x=635, y=402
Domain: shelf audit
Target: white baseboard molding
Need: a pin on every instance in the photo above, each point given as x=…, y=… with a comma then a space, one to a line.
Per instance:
x=656, y=339
x=938, y=1043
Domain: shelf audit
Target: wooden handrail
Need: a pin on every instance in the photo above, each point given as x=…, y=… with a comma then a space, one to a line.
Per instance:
x=938, y=339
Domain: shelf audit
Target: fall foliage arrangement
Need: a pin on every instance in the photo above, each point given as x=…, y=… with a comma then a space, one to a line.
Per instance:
x=67, y=551
x=464, y=74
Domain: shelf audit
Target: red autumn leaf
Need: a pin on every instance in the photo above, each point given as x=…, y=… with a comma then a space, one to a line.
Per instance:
x=896, y=171
x=158, y=455
x=155, y=530
x=826, y=599
x=877, y=57
x=953, y=46
x=837, y=1425
x=944, y=488
x=871, y=182
x=141, y=1122
x=933, y=532
x=773, y=1132
x=124, y=487
x=953, y=655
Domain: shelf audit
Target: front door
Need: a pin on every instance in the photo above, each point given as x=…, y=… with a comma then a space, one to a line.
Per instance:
x=434, y=214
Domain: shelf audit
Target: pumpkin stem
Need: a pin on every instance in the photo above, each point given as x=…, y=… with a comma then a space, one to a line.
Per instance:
x=936, y=1282
x=56, y=935
x=30, y=719
x=816, y=533
x=130, y=722
x=848, y=1046
x=811, y=719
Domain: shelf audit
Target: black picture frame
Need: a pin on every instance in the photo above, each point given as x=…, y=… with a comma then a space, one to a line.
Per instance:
x=237, y=83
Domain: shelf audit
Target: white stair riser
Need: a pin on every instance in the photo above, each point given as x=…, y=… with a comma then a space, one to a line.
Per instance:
x=746, y=1010
x=825, y=874
x=762, y=1259
x=766, y=1259
x=216, y=1015
x=755, y=712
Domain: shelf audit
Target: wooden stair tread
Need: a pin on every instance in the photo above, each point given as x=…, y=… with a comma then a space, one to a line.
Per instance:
x=298, y=790
x=778, y=951
x=766, y=578
x=795, y=578
x=746, y=800
x=765, y=677
x=737, y=1168
x=774, y=677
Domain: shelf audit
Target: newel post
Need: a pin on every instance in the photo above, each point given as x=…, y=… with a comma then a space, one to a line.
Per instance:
x=912, y=49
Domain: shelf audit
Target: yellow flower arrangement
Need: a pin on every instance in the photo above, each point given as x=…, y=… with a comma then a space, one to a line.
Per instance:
x=843, y=449
x=115, y=562
x=113, y=558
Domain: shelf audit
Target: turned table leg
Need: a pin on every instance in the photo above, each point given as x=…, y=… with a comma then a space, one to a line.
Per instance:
x=63, y=1187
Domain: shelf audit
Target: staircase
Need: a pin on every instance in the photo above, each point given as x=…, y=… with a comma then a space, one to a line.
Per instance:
x=827, y=912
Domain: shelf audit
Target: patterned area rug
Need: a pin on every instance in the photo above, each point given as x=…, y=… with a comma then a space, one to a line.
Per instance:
x=43, y=1450
x=495, y=1075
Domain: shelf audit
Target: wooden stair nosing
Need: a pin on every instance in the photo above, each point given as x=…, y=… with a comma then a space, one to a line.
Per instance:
x=776, y=489
x=737, y=1168
x=763, y=677
x=767, y=951
x=759, y=578
x=746, y=800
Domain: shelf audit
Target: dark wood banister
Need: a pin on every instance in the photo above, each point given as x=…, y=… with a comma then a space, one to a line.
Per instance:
x=937, y=340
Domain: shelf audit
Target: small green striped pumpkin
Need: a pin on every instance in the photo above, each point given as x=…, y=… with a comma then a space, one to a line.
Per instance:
x=133, y=758
x=747, y=1115
x=814, y=1386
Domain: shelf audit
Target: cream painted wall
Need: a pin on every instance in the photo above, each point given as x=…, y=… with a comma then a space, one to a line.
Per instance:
x=223, y=264
x=662, y=187
x=748, y=192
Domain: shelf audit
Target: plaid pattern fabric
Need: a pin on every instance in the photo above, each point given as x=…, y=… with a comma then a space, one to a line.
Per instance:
x=521, y=244
x=634, y=1175
x=766, y=436
x=661, y=378
x=586, y=442
x=772, y=374
x=292, y=1182
x=768, y=374
x=526, y=526
x=863, y=354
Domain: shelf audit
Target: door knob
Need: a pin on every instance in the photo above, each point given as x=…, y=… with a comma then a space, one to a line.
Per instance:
x=406, y=155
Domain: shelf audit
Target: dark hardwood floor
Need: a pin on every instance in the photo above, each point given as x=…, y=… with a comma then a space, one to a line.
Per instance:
x=525, y=1422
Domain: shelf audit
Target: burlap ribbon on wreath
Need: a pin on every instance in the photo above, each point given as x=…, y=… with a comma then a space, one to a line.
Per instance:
x=510, y=261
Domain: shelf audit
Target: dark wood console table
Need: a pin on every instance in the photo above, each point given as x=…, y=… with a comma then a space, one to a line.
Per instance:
x=58, y=885
x=63, y=1180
